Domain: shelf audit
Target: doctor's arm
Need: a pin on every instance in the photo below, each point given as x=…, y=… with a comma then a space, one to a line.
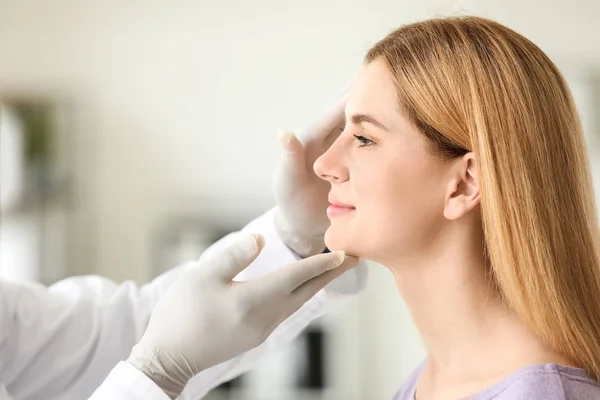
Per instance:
x=59, y=342
x=62, y=341
x=207, y=317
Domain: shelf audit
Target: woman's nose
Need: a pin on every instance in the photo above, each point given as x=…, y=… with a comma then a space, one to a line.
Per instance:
x=329, y=166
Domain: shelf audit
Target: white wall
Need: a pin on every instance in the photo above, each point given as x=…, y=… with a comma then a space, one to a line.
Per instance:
x=178, y=107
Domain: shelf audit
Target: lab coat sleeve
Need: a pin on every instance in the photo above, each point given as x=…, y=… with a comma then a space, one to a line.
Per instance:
x=125, y=382
x=61, y=342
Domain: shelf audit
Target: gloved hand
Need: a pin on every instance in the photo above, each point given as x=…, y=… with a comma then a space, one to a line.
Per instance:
x=301, y=196
x=206, y=318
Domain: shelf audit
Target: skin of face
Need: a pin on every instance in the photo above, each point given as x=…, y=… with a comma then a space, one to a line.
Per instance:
x=387, y=186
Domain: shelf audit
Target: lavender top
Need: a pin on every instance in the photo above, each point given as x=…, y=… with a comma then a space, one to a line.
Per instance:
x=536, y=382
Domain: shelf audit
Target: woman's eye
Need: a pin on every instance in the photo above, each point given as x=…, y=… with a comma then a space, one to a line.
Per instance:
x=363, y=141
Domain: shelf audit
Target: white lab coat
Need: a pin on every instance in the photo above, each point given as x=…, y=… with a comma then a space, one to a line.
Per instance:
x=61, y=342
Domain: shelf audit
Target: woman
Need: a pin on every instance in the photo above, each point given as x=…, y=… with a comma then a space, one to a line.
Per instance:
x=462, y=168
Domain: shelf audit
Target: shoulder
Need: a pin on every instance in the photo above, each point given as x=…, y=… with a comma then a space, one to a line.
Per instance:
x=544, y=382
x=406, y=391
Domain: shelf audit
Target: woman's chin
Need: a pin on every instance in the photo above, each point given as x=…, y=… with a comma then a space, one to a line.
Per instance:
x=337, y=241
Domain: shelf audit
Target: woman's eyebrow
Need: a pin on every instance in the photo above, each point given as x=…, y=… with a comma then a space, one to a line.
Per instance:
x=360, y=118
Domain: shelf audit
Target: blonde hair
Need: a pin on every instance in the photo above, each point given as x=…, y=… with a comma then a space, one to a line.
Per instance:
x=471, y=84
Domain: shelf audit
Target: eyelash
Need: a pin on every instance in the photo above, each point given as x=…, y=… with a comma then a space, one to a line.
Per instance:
x=364, y=141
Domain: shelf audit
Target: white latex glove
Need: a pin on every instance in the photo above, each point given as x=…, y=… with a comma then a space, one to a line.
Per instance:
x=301, y=196
x=206, y=318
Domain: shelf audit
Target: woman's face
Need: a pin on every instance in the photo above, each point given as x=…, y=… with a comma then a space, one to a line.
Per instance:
x=388, y=189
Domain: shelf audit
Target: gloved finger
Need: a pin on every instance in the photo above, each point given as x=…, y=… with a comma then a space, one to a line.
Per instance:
x=285, y=280
x=229, y=262
x=307, y=290
x=328, y=124
x=291, y=146
x=293, y=160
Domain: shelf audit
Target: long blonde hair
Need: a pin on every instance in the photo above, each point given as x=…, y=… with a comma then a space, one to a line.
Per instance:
x=471, y=84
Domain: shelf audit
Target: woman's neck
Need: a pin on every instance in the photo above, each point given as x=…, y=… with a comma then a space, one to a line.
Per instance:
x=453, y=304
x=464, y=323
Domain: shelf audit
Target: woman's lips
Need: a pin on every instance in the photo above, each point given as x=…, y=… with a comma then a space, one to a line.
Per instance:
x=337, y=210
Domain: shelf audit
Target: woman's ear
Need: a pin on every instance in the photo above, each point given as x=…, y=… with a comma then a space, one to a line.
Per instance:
x=463, y=193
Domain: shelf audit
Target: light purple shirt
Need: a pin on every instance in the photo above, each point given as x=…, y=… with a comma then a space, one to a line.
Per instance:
x=536, y=382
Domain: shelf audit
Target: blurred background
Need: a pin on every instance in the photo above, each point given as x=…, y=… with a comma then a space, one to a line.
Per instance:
x=134, y=134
